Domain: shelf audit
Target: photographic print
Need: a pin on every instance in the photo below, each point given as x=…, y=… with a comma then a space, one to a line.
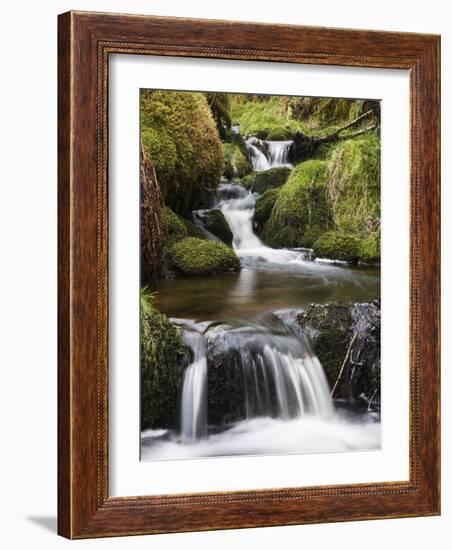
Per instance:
x=260, y=274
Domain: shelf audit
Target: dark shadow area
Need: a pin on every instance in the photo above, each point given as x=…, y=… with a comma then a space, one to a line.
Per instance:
x=49, y=523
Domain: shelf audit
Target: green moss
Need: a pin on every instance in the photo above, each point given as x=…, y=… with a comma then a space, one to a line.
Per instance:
x=301, y=212
x=174, y=226
x=162, y=349
x=354, y=185
x=338, y=246
x=180, y=136
x=264, y=207
x=272, y=178
x=263, y=117
x=369, y=248
x=192, y=256
x=236, y=162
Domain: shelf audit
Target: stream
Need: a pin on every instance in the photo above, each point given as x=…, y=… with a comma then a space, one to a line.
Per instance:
x=274, y=390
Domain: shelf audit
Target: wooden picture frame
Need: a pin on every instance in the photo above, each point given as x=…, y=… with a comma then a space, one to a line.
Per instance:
x=85, y=42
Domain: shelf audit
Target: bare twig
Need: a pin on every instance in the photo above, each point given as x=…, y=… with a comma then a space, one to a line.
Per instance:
x=344, y=363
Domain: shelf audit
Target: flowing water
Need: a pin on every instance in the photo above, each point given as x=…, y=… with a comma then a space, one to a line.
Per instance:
x=263, y=376
x=268, y=154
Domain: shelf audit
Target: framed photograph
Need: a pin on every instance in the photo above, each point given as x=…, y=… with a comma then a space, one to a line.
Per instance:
x=248, y=275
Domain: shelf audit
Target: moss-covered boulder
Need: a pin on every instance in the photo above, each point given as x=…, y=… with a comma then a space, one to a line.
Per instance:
x=263, y=209
x=270, y=179
x=302, y=209
x=236, y=162
x=162, y=350
x=348, y=336
x=192, y=256
x=338, y=246
x=354, y=185
x=214, y=222
x=180, y=137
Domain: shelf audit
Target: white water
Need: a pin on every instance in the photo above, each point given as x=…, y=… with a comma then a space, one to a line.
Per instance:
x=277, y=154
x=193, y=420
x=306, y=434
x=258, y=159
x=237, y=205
x=278, y=151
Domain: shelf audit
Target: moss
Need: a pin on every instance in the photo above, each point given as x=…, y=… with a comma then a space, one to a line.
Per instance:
x=162, y=349
x=264, y=207
x=174, y=226
x=268, y=179
x=301, y=212
x=236, y=162
x=265, y=117
x=192, y=256
x=180, y=136
x=369, y=248
x=338, y=246
x=329, y=326
x=354, y=185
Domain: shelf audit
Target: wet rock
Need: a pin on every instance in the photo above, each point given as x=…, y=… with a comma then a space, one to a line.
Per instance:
x=346, y=337
x=214, y=222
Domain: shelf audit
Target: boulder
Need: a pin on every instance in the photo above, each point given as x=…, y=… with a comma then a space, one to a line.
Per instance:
x=270, y=179
x=346, y=337
x=215, y=223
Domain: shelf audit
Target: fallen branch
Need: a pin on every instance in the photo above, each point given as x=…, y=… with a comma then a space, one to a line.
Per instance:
x=347, y=355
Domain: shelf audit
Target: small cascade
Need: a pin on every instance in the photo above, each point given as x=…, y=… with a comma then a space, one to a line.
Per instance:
x=278, y=152
x=270, y=372
x=257, y=157
x=193, y=405
x=237, y=205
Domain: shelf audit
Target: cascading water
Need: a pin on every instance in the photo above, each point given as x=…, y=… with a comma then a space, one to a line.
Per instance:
x=193, y=405
x=268, y=154
x=278, y=152
x=257, y=157
x=237, y=205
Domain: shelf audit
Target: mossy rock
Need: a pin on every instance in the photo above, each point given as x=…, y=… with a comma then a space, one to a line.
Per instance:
x=302, y=210
x=174, y=225
x=214, y=221
x=269, y=179
x=192, y=256
x=354, y=185
x=180, y=137
x=162, y=350
x=347, y=334
x=369, y=248
x=264, y=207
x=338, y=246
x=236, y=162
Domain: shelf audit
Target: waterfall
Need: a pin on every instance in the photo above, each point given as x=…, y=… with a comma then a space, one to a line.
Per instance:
x=237, y=205
x=257, y=157
x=273, y=373
x=278, y=152
x=193, y=406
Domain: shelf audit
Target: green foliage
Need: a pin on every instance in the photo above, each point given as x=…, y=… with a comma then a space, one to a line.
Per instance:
x=236, y=162
x=192, y=256
x=354, y=185
x=301, y=212
x=162, y=349
x=266, y=118
x=180, y=136
x=338, y=246
x=264, y=207
x=268, y=179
